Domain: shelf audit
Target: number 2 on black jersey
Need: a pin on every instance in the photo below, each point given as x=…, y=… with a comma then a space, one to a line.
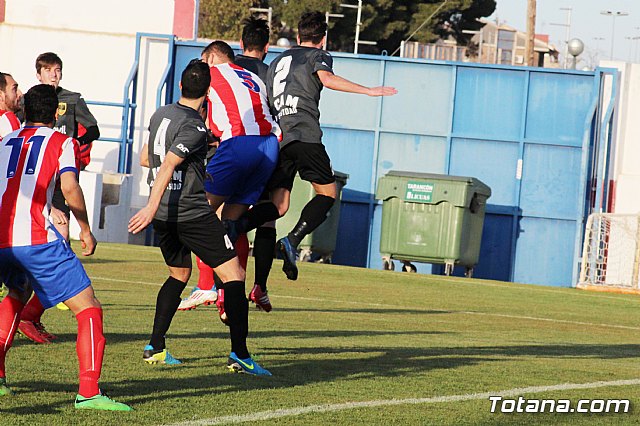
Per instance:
x=282, y=71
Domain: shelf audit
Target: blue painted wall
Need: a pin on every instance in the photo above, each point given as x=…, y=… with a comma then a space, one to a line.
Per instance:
x=469, y=120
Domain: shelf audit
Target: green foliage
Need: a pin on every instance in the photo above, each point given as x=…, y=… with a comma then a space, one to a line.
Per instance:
x=387, y=22
x=220, y=19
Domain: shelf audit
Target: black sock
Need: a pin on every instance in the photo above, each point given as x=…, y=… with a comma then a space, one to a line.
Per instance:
x=263, y=247
x=236, y=306
x=257, y=216
x=312, y=216
x=166, y=306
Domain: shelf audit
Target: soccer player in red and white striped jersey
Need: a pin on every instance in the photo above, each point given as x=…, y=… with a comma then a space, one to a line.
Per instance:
x=10, y=97
x=31, y=160
x=239, y=115
x=238, y=103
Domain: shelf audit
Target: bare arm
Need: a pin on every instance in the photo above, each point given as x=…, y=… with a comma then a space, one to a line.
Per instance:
x=75, y=199
x=144, y=155
x=335, y=82
x=144, y=217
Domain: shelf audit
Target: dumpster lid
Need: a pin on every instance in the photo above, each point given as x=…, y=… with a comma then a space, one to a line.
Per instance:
x=484, y=188
x=430, y=176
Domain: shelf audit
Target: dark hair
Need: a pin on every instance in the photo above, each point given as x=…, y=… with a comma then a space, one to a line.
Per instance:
x=40, y=104
x=219, y=47
x=195, y=79
x=312, y=27
x=255, y=33
x=48, y=58
x=3, y=80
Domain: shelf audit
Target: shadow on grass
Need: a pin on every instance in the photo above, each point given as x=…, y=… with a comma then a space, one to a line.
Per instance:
x=299, y=370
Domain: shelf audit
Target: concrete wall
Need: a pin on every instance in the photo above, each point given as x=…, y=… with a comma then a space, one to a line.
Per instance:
x=625, y=158
x=96, y=42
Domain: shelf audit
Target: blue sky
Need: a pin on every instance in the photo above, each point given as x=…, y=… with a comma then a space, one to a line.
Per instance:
x=587, y=24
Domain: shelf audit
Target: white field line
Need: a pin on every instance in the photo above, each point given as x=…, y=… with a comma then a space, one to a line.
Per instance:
x=325, y=408
x=451, y=280
x=400, y=308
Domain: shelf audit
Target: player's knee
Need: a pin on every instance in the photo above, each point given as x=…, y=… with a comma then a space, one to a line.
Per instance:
x=283, y=208
x=181, y=274
x=231, y=270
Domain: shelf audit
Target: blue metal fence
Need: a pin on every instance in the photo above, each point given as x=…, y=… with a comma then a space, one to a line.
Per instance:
x=533, y=135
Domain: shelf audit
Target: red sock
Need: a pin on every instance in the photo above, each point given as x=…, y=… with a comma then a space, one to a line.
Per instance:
x=205, y=280
x=242, y=250
x=90, y=349
x=33, y=310
x=9, y=318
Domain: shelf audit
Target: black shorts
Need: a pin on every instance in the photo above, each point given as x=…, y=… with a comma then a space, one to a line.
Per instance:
x=204, y=236
x=59, y=202
x=309, y=159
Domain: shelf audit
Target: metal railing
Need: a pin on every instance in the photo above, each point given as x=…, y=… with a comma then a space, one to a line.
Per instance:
x=129, y=105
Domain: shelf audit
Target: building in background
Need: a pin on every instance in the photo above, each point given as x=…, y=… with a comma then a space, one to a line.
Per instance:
x=492, y=44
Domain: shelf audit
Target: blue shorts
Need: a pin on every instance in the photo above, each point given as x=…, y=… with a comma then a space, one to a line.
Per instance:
x=53, y=270
x=241, y=168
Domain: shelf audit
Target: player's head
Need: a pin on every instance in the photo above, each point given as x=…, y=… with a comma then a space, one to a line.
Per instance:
x=195, y=80
x=49, y=69
x=312, y=28
x=255, y=35
x=41, y=104
x=217, y=52
x=10, y=95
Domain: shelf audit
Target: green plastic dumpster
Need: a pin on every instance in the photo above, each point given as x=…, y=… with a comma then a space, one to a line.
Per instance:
x=432, y=218
x=321, y=242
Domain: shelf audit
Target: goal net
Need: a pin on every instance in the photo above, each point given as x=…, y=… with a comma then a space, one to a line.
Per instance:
x=611, y=253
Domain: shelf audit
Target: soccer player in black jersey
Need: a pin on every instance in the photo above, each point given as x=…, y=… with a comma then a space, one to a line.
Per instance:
x=185, y=223
x=294, y=82
x=255, y=45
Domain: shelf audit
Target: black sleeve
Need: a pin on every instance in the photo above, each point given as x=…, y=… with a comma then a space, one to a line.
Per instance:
x=322, y=61
x=84, y=117
x=91, y=135
x=190, y=137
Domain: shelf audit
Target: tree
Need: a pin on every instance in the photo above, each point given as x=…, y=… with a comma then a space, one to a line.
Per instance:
x=387, y=22
x=221, y=19
x=390, y=21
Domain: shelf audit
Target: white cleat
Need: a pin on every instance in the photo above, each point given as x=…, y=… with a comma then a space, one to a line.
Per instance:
x=198, y=297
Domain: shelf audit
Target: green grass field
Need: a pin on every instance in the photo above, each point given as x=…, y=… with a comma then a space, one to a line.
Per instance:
x=351, y=342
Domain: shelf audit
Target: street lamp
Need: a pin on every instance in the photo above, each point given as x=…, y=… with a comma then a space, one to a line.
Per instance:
x=613, y=15
x=575, y=47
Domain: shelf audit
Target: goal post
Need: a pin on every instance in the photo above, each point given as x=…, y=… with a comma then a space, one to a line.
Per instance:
x=611, y=253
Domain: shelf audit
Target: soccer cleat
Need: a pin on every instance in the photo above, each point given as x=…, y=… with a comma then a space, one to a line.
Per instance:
x=4, y=389
x=288, y=253
x=152, y=356
x=35, y=332
x=198, y=297
x=100, y=402
x=62, y=306
x=260, y=298
x=220, y=306
x=247, y=365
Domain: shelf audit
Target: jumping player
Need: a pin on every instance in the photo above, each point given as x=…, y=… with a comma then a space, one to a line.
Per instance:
x=185, y=223
x=294, y=82
x=31, y=159
x=239, y=115
x=255, y=45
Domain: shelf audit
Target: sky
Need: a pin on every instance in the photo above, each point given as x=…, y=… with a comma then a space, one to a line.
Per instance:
x=587, y=24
